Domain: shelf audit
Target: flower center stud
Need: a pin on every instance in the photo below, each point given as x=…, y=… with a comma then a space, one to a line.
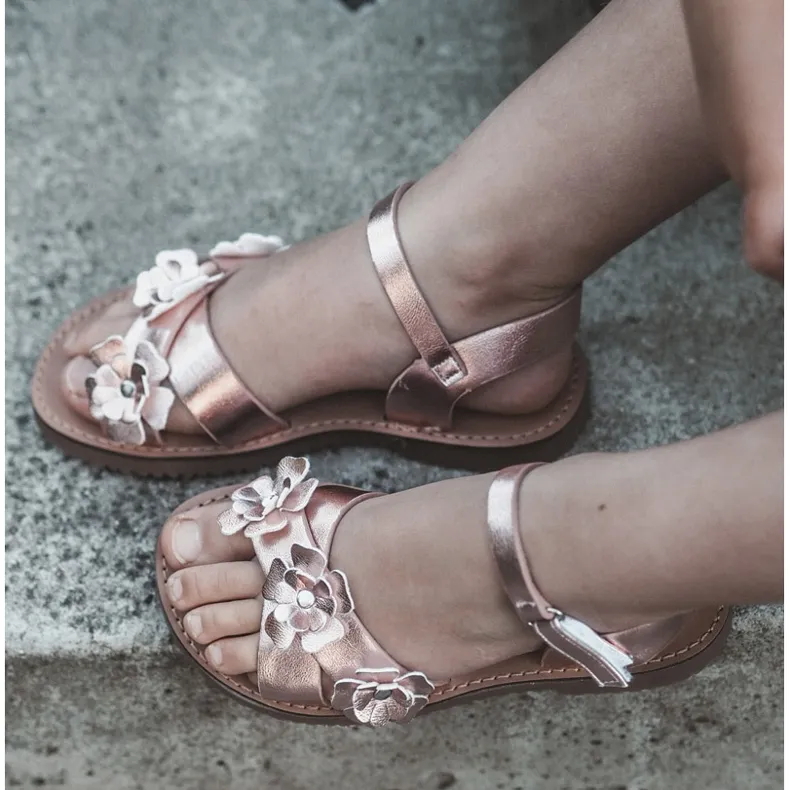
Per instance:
x=305, y=599
x=384, y=691
x=127, y=388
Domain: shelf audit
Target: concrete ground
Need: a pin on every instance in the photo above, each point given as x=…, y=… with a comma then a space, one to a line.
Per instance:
x=136, y=125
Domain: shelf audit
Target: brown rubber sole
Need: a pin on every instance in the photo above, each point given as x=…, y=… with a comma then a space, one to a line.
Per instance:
x=643, y=681
x=698, y=641
x=478, y=441
x=474, y=459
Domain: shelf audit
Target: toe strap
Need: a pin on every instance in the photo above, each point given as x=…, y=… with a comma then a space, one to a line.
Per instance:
x=170, y=351
x=314, y=649
x=207, y=385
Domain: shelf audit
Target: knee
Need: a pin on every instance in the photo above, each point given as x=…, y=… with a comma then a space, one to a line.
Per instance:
x=763, y=230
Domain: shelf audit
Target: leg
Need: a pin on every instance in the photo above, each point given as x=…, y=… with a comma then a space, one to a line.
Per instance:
x=738, y=56
x=688, y=525
x=600, y=145
x=615, y=539
x=581, y=160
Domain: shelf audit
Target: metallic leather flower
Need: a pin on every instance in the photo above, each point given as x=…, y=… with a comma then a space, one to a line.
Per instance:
x=251, y=245
x=309, y=601
x=260, y=507
x=379, y=696
x=175, y=276
x=125, y=392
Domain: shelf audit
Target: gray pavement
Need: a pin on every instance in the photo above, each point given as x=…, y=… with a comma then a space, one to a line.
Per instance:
x=136, y=125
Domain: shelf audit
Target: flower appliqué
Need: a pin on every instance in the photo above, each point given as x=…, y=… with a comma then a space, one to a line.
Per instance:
x=260, y=507
x=248, y=245
x=175, y=275
x=125, y=392
x=378, y=696
x=309, y=601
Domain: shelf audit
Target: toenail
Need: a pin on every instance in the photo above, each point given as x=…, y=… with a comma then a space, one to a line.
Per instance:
x=214, y=655
x=193, y=625
x=175, y=589
x=186, y=541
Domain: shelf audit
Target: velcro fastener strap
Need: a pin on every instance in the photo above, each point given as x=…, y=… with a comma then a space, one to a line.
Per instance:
x=606, y=662
x=389, y=259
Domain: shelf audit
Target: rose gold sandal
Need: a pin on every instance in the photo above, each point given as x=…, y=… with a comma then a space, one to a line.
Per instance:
x=170, y=352
x=318, y=662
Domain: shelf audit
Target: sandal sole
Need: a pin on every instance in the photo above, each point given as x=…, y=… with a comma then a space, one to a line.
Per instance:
x=481, y=442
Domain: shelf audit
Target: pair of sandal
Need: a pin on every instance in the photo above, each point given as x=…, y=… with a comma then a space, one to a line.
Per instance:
x=317, y=661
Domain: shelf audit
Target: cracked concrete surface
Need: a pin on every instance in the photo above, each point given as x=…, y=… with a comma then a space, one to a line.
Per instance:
x=133, y=126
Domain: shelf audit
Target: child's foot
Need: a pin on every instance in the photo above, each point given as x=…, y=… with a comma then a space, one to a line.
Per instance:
x=314, y=320
x=423, y=576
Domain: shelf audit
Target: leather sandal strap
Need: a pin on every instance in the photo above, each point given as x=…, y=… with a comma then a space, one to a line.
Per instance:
x=358, y=651
x=313, y=648
x=427, y=392
x=210, y=389
x=407, y=300
x=603, y=660
x=508, y=549
x=170, y=350
x=293, y=674
x=417, y=397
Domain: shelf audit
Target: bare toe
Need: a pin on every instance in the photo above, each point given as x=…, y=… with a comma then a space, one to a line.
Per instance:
x=225, y=581
x=219, y=620
x=235, y=656
x=115, y=320
x=73, y=384
x=75, y=391
x=194, y=538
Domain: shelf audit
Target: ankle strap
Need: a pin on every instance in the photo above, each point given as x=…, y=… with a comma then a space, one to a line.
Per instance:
x=427, y=391
x=606, y=663
x=403, y=292
x=416, y=396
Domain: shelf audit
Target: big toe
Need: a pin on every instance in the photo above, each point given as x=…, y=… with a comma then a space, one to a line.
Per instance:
x=115, y=320
x=73, y=384
x=193, y=537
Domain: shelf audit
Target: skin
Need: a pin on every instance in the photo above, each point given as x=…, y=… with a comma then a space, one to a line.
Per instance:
x=487, y=232
x=615, y=539
x=738, y=52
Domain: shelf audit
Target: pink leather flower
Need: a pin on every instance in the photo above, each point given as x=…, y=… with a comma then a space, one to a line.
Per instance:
x=379, y=696
x=309, y=601
x=260, y=507
x=175, y=275
x=125, y=392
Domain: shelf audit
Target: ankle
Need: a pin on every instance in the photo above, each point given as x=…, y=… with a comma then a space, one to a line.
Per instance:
x=473, y=276
x=577, y=538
